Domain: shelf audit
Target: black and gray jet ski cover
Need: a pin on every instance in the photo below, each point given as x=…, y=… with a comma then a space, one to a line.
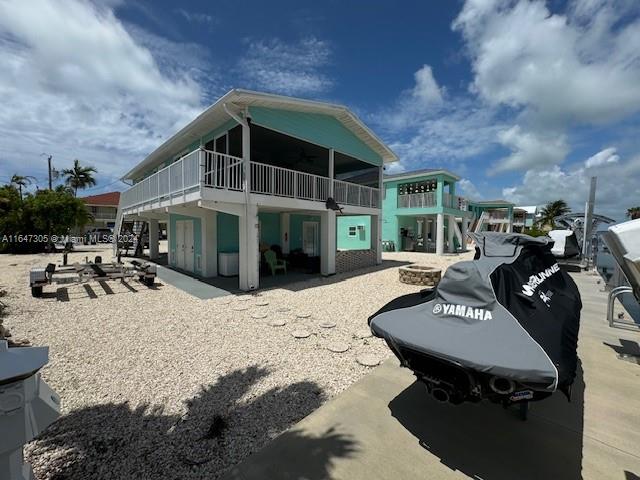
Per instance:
x=510, y=314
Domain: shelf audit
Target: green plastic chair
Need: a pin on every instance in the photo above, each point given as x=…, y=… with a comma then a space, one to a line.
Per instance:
x=273, y=262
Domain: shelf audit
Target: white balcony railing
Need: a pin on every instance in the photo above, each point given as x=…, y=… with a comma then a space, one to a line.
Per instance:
x=430, y=199
x=178, y=178
x=206, y=169
x=222, y=171
x=352, y=194
x=282, y=182
x=454, y=201
x=418, y=200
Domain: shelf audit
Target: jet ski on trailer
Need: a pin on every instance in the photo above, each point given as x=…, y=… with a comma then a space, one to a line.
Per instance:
x=503, y=327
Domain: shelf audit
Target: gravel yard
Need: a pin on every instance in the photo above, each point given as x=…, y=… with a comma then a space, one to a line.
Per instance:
x=156, y=383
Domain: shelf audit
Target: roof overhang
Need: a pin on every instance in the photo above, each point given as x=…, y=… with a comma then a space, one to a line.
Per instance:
x=416, y=174
x=239, y=100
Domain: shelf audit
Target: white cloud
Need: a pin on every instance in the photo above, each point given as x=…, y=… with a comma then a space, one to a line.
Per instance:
x=617, y=187
x=426, y=90
x=77, y=84
x=608, y=155
x=288, y=68
x=581, y=67
x=529, y=150
x=197, y=17
x=469, y=190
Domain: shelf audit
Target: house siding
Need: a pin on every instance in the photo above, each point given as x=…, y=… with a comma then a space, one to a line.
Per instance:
x=228, y=233
x=269, y=228
x=362, y=240
x=323, y=130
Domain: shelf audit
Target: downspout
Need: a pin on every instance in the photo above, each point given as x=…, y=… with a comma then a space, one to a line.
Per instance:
x=246, y=159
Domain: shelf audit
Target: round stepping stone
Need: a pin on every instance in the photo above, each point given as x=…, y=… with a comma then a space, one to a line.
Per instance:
x=258, y=315
x=224, y=301
x=364, y=333
x=303, y=314
x=327, y=324
x=282, y=309
x=262, y=303
x=243, y=299
x=277, y=323
x=338, y=347
x=300, y=333
x=240, y=308
x=367, y=360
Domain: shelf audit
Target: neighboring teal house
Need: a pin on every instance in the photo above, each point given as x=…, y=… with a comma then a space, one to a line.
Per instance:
x=421, y=211
x=254, y=172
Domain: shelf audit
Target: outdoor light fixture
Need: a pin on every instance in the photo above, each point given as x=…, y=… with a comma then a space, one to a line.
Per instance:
x=27, y=406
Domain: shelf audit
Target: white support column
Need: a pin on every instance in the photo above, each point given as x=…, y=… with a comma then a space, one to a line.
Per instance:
x=331, y=171
x=451, y=233
x=285, y=234
x=328, y=242
x=465, y=229
x=376, y=236
x=153, y=239
x=249, y=249
x=440, y=234
x=209, y=257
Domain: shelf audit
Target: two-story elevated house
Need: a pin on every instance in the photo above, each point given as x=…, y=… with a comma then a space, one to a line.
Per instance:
x=422, y=211
x=254, y=172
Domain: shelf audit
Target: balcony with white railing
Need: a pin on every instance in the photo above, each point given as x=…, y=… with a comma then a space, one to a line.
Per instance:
x=430, y=200
x=204, y=169
x=418, y=200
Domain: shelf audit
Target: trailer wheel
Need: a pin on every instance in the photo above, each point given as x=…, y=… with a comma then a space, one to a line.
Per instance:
x=36, y=292
x=148, y=281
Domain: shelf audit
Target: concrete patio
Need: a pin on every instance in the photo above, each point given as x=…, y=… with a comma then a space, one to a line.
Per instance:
x=385, y=426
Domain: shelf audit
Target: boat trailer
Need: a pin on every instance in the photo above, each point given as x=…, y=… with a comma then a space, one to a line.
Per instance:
x=90, y=271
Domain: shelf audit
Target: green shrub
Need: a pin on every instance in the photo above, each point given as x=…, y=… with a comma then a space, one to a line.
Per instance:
x=44, y=213
x=535, y=232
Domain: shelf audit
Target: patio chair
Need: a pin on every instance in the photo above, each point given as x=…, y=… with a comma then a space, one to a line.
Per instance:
x=273, y=262
x=622, y=240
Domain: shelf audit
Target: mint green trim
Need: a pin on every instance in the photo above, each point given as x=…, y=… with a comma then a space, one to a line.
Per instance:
x=228, y=233
x=362, y=238
x=225, y=127
x=323, y=130
x=269, y=228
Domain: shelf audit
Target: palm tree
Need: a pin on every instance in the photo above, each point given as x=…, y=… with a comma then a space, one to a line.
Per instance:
x=551, y=211
x=79, y=177
x=633, y=213
x=20, y=181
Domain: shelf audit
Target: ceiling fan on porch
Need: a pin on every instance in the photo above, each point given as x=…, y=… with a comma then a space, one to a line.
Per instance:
x=305, y=157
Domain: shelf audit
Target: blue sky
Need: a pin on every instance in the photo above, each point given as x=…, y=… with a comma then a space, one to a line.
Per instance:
x=524, y=99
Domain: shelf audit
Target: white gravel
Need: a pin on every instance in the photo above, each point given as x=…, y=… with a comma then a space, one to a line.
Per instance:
x=143, y=372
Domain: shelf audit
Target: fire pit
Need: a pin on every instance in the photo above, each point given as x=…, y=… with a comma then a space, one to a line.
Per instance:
x=420, y=275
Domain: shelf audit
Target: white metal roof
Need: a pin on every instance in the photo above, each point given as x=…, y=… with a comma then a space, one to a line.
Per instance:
x=419, y=173
x=215, y=116
x=530, y=209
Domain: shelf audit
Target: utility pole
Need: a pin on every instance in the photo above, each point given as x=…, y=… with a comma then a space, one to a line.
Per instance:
x=588, y=221
x=50, y=182
x=49, y=157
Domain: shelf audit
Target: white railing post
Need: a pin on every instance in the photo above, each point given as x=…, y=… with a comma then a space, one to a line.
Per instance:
x=273, y=181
